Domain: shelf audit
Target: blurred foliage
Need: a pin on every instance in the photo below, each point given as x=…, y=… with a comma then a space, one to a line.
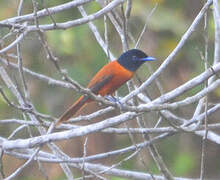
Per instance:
x=183, y=164
x=80, y=55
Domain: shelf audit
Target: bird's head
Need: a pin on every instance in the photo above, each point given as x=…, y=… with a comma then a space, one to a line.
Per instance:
x=133, y=59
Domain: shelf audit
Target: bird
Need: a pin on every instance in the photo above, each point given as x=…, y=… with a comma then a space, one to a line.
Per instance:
x=109, y=78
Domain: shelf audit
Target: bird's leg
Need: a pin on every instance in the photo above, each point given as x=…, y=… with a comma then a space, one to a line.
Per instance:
x=112, y=98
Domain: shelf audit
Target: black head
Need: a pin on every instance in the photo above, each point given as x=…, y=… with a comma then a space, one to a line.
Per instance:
x=133, y=59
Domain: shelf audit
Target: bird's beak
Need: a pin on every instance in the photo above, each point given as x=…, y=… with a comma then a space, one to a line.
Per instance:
x=149, y=58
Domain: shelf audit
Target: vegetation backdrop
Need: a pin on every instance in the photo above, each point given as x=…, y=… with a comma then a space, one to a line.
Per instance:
x=169, y=126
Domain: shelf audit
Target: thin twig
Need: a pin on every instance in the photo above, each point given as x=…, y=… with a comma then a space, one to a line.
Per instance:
x=145, y=26
x=94, y=29
x=44, y=12
x=18, y=171
x=171, y=56
x=2, y=175
x=204, y=141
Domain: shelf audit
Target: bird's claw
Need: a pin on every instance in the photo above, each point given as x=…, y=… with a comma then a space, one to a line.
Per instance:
x=115, y=100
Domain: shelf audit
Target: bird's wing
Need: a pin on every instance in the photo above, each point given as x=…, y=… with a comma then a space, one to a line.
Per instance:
x=100, y=83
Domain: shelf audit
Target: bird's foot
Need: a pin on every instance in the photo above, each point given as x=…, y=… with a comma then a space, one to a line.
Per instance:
x=115, y=100
x=112, y=99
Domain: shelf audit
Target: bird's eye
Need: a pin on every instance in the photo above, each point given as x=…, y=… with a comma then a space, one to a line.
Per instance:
x=134, y=58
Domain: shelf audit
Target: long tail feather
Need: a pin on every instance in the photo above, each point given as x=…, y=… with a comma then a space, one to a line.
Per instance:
x=72, y=109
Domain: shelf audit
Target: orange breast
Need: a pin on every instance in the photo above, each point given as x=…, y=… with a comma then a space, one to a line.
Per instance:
x=119, y=74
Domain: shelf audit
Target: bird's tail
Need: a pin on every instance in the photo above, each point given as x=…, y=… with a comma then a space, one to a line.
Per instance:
x=73, y=109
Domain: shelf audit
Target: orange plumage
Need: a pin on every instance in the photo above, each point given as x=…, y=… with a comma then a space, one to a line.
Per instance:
x=110, y=78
